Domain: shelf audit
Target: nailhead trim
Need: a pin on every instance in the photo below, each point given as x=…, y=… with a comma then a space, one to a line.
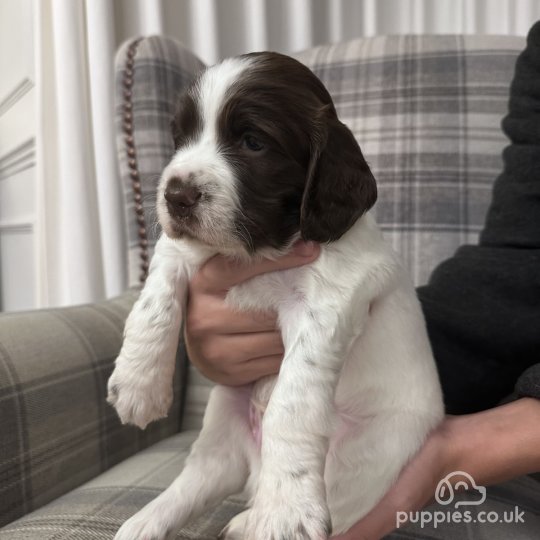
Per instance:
x=127, y=124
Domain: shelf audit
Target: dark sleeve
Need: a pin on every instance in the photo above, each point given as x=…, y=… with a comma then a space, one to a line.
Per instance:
x=528, y=384
x=482, y=306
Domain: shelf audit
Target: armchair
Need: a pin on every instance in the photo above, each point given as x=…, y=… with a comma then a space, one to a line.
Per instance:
x=426, y=111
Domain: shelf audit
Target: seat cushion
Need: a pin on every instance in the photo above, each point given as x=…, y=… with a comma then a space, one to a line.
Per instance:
x=96, y=510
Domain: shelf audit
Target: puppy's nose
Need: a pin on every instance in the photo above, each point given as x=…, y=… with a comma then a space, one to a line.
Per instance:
x=180, y=194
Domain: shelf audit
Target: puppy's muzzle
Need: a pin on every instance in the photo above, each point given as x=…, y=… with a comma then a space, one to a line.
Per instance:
x=181, y=197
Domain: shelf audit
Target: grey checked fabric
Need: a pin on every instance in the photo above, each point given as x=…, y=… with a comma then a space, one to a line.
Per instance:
x=57, y=429
x=97, y=509
x=426, y=111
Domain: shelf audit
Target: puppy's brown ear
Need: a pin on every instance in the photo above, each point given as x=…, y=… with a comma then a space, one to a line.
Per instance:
x=339, y=187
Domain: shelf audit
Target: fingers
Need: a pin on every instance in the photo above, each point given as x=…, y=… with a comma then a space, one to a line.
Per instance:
x=232, y=322
x=208, y=315
x=242, y=373
x=220, y=274
x=239, y=348
x=253, y=370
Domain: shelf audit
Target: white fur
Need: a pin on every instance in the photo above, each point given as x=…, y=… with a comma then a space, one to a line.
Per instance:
x=209, y=169
x=356, y=396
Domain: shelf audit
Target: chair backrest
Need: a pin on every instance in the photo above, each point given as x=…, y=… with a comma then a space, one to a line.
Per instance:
x=426, y=111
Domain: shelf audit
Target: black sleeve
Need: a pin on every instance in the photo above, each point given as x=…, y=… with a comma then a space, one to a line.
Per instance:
x=482, y=306
x=528, y=384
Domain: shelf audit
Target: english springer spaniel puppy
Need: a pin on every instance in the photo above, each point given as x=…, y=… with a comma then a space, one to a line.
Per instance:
x=262, y=160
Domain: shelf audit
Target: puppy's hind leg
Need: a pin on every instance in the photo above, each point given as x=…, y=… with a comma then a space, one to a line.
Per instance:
x=216, y=467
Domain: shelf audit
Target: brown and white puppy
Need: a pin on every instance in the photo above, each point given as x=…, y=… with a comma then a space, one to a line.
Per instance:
x=262, y=160
x=275, y=128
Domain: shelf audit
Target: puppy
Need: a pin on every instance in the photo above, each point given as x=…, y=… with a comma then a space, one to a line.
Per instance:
x=262, y=160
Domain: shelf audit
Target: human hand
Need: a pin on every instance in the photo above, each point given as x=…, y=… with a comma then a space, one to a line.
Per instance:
x=492, y=446
x=226, y=346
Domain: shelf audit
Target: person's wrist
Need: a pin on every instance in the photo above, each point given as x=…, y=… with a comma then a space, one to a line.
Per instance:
x=497, y=444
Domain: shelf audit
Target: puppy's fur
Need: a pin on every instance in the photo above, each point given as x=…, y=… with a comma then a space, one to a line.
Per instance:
x=261, y=161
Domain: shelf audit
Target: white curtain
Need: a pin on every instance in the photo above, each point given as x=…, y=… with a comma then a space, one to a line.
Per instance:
x=218, y=28
x=79, y=241
x=80, y=222
x=80, y=230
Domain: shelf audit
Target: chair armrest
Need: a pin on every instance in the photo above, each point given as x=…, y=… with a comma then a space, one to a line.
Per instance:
x=57, y=429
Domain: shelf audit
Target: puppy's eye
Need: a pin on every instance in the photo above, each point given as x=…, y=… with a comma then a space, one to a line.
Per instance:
x=252, y=143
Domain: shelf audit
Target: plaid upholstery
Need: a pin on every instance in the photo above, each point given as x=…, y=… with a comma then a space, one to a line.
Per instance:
x=57, y=429
x=426, y=111
x=162, y=68
x=96, y=510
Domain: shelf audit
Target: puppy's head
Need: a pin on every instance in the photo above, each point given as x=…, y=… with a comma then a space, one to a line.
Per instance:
x=261, y=159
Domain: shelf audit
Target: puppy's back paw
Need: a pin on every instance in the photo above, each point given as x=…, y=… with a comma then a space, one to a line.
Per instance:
x=234, y=530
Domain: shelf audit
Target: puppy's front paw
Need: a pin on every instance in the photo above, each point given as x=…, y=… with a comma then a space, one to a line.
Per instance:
x=139, y=397
x=290, y=520
x=147, y=524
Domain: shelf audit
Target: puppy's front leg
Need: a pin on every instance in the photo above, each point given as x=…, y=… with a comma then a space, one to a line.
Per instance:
x=140, y=387
x=290, y=501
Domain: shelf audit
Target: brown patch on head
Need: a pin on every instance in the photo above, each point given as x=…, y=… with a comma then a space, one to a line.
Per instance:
x=266, y=129
x=310, y=175
x=297, y=169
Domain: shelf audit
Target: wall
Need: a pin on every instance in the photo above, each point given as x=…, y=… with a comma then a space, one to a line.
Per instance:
x=17, y=155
